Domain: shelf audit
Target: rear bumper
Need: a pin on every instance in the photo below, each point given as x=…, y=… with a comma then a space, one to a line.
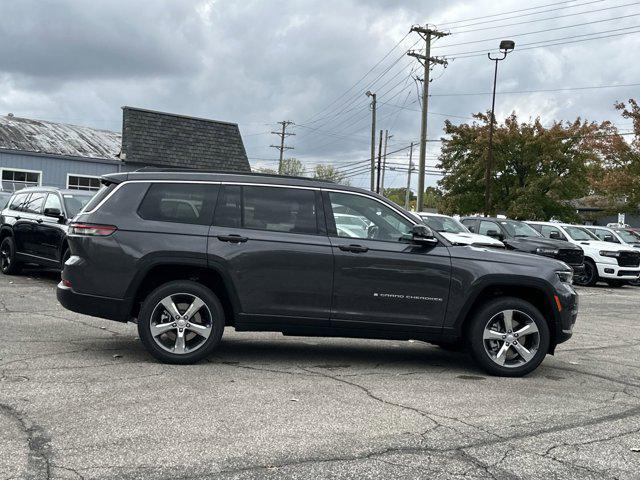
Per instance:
x=103, y=307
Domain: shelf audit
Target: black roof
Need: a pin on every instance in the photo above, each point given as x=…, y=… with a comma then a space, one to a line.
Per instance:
x=172, y=140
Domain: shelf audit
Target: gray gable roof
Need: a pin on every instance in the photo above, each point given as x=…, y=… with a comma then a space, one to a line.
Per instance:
x=170, y=140
x=27, y=135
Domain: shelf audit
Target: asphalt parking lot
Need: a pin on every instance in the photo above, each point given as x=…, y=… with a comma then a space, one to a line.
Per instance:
x=80, y=398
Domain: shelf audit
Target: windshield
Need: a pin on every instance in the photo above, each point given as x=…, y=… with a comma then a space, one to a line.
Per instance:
x=580, y=234
x=74, y=202
x=444, y=224
x=518, y=229
x=628, y=236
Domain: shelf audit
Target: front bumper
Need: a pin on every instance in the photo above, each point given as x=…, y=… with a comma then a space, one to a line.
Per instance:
x=612, y=271
x=569, y=303
x=103, y=307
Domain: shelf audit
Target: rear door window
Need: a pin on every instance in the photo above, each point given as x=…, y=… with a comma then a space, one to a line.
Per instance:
x=179, y=203
x=274, y=209
x=18, y=200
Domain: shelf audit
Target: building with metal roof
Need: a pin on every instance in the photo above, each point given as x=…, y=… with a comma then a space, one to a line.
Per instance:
x=38, y=152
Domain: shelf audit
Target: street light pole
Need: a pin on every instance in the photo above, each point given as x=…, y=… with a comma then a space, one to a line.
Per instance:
x=505, y=47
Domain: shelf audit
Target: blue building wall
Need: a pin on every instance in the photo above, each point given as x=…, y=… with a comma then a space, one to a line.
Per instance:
x=56, y=168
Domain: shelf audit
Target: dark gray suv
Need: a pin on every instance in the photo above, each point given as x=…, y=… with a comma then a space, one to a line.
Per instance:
x=185, y=254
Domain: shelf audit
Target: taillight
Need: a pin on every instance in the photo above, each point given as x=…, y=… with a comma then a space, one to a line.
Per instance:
x=90, y=230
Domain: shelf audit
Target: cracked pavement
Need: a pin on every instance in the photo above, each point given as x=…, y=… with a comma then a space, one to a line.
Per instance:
x=81, y=399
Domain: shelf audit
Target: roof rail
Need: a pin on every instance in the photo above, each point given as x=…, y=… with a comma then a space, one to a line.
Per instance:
x=225, y=172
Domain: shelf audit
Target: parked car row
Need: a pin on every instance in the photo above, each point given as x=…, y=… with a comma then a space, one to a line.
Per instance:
x=34, y=225
x=595, y=253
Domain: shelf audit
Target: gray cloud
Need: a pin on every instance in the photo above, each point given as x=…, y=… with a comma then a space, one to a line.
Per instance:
x=258, y=62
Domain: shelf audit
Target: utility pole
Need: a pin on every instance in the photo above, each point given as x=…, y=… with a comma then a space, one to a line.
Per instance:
x=379, y=162
x=427, y=60
x=407, y=195
x=373, y=137
x=282, y=147
x=384, y=158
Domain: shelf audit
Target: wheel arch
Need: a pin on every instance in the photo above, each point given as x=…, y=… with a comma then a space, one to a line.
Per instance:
x=163, y=271
x=536, y=292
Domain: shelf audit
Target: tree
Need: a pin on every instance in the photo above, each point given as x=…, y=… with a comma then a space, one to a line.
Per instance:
x=536, y=169
x=329, y=172
x=617, y=178
x=398, y=195
x=292, y=167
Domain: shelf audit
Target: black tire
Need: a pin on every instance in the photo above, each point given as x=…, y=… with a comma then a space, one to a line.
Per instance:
x=9, y=264
x=635, y=283
x=590, y=275
x=616, y=283
x=488, y=312
x=148, y=311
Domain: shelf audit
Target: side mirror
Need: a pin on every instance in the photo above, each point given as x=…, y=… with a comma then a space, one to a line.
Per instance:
x=52, y=212
x=423, y=235
x=494, y=234
x=554, y=235
x=609, y=238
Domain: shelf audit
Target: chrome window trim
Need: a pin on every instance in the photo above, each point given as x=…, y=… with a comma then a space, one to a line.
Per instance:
x=253, y=184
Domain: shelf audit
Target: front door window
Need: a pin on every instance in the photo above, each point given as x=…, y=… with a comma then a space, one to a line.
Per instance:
x=358, y=216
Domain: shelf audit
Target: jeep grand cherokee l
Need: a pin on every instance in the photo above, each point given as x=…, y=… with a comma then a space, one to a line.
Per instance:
x=262, y=253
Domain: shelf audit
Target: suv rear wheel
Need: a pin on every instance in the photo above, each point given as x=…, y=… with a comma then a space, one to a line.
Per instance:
x=8, y=262
x=508, y=337
x=181, y=322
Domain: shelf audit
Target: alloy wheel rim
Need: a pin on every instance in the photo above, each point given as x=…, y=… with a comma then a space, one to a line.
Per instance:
x=181, y=323
x=511, y=338
x=586, y=276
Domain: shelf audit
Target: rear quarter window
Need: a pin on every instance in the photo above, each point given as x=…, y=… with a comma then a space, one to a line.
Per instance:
x=98, y=197
x=179, y=203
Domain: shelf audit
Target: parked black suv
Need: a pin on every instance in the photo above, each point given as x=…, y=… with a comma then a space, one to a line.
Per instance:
x=187, y=253
x=522, y=237
x=33, y=227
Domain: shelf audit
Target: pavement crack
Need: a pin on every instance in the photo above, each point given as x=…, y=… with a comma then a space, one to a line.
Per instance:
x=38, y=443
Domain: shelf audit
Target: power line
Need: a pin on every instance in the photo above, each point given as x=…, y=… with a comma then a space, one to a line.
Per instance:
x=529, y=14
x=494, y=27
x=361, y=78
x=506, y=13
x=538, y=31
x=476, y=53
x=567, y=89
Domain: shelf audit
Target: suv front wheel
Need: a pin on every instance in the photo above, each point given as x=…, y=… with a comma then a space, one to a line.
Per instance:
x=181, y=322
x=508, y=337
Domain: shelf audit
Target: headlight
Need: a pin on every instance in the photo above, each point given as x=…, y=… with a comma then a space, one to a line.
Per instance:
x=565, y=276
x=607, y=253
x=546, y=251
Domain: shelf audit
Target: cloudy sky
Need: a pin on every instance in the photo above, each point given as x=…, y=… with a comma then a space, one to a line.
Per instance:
x=259, y=62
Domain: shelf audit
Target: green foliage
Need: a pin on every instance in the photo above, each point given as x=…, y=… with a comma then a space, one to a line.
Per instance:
x=536, y=169
x=398, y=195
x=329, y=172
x=292, y=167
